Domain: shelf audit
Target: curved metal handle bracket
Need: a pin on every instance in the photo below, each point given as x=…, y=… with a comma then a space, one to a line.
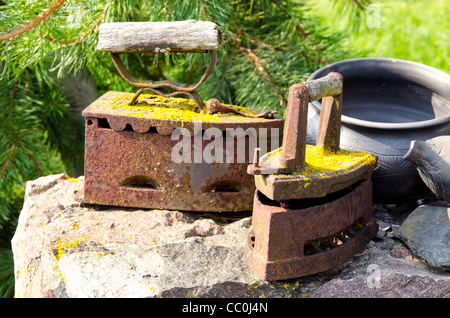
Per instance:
x=292, y=156
x=155, y=86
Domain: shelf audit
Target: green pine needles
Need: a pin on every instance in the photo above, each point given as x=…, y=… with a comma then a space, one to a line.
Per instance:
x=50, y=70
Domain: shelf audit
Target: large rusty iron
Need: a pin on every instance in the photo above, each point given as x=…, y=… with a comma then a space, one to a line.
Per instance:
x=304, y=223
x=128, y=159
x=128, y=150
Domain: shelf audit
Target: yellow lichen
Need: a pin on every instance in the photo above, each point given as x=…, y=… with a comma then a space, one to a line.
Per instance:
x=75, y=226
x=61, y=245
x=66, y=177
x=322, y=163
x=317, y=159
x=171, y=108
x=73, y=180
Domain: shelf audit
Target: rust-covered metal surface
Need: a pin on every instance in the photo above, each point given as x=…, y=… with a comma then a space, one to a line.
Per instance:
x=295, y=242
x=284, y=187
x=128, y=158
x=312, y=209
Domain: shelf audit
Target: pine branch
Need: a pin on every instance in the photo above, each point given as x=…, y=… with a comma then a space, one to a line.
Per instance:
x=296, y=22
x=261, y=68
x=36, y=162
x=45, y=14
x=85, y=33
x=10, y=122
x=358, y=4
x=8, y=160
x=264, y=44
x=15, y=139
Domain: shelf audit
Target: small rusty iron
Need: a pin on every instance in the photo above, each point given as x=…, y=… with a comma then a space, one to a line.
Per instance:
x=305, y=224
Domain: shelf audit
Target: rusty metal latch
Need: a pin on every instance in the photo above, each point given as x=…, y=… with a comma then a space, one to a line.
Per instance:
x=214, y=106
x=168, y=37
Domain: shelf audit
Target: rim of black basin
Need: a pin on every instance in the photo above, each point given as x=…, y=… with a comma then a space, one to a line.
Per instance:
x=437, y=81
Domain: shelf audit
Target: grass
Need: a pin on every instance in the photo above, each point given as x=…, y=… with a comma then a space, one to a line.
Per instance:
x=407, y=29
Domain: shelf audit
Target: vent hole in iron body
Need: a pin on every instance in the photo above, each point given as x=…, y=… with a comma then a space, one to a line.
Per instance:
x=252, y=239
x=325, y=244
x=141, y=182
x=223, y=186
x=299, y=204
x=103, y=123
x=152, y=130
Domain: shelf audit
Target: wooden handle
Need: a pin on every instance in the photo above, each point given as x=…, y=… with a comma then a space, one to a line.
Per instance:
x=330, y=85
x=159, y=37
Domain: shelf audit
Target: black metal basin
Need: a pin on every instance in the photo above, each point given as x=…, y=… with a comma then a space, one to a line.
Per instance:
x=387, y=103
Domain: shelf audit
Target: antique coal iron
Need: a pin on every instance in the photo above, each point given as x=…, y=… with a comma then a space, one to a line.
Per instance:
x=313, y=204
x=147, y=151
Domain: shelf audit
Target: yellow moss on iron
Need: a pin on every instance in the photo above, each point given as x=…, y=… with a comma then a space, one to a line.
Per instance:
x=322, y=163
x=154, y=106
x=319, y=161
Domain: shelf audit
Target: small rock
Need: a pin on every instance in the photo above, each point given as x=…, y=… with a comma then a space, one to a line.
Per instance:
x=399, y=250
x=384, y=225
x=380, y=234
x=394, y=229
x=426, y=232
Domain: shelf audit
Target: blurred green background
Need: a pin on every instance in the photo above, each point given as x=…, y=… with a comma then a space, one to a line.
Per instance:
x=408, y=29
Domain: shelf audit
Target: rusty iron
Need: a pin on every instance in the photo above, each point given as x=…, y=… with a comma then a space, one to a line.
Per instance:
x=128, y=161
x=128, y=153
x=305, y=224
x=289, y=243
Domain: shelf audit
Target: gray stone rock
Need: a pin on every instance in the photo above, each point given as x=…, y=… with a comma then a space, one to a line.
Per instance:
x=65, y=249
x=426, y=231
x=388, y=282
